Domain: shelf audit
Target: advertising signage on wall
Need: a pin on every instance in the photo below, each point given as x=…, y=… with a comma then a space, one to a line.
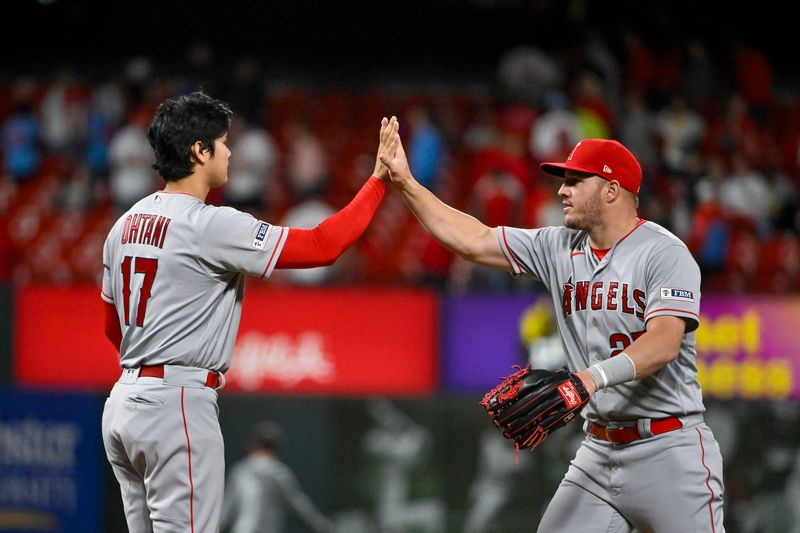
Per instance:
x=50, y=459
x=328, y=341
x=485, y=335
x=746, y=346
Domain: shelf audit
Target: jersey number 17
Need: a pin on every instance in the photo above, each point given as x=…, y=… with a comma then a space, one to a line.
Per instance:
x=139, y=265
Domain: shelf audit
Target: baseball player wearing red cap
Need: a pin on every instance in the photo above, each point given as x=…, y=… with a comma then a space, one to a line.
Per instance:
x=627, y=293
x=173, y=279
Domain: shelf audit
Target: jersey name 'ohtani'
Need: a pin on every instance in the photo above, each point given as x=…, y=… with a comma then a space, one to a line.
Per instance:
x=145, y=228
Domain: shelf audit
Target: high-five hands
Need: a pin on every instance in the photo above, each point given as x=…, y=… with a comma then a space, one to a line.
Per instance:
x=397, y=162
x=389, y=140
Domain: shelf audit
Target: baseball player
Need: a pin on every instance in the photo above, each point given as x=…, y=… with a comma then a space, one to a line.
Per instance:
x=173, y=279
x=627, y=298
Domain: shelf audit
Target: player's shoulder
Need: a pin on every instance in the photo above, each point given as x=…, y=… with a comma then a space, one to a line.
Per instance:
x=660, y=237
x=558, y=237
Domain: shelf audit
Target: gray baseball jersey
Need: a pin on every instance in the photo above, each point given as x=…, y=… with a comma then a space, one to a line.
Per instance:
x=602, y=307
x=666, y=482
x=175, y=268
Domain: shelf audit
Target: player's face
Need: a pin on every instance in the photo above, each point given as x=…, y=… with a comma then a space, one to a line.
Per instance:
x=218, y=165
x=580, y=196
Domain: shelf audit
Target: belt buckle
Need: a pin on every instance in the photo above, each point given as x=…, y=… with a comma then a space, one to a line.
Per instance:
x=613, y=434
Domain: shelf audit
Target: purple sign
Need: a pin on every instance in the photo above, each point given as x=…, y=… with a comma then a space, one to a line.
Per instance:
x=485, y=335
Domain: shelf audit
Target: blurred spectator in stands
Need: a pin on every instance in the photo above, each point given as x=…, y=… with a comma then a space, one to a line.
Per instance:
x=306, y=164
x=737, y=133
x=261, y=490
x=556, y=131
x=639, y=65
x=745, y=193
x=526, y=73
x=497, y=198
x=595, y=115
x=710, y=234
x=22, y=156
x=754, y=79
x=680, y=130
x=701, y=83
x=74, y=192
x=130, y=158
x=106, y=113
x=245, y=93
x=137, y=77
x=482, y=132
x=252, y=172
x=639, y=132
x=602, y=60
x=202, y=71
x=425, y=146
x=64, y=115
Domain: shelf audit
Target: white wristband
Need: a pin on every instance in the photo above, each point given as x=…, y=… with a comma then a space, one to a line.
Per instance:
x=613, y=371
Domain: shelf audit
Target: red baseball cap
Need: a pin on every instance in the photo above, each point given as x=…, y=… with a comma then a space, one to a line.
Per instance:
x=602, y=157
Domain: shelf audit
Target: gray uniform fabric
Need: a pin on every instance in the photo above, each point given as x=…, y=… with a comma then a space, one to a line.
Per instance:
x=203, y=253
x=174, y=269
x=601, y=308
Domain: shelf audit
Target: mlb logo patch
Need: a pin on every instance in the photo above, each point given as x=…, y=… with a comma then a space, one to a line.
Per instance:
x=261, y=236
x=677, y=294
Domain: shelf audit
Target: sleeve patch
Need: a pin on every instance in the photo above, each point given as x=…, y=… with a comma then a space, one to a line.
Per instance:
x=681, y=295
x=261, y=236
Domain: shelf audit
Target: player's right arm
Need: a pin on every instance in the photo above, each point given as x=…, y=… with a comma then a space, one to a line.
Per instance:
x=457, y=231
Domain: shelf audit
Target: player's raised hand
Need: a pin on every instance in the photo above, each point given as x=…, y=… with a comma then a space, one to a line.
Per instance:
x=386, y=146
x=397, y=163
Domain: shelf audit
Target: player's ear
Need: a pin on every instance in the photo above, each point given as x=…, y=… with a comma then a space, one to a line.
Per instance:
x=197, y=151
x=613, y=191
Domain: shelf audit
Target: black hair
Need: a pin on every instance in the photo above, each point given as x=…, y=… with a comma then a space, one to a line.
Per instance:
x=179, y=123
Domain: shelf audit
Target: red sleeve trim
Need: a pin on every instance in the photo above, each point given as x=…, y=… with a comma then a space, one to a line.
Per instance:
x=274, y=250
x=513, y=257
x=106, y=295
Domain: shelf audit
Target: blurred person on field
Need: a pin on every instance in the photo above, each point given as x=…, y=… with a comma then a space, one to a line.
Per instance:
x=261, y=490
x=130, y=161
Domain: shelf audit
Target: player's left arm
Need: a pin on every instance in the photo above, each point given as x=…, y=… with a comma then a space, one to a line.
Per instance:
x=656, y=348
x=672, y=309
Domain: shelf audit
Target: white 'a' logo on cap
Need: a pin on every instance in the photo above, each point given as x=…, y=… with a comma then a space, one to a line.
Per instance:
x=607, y=169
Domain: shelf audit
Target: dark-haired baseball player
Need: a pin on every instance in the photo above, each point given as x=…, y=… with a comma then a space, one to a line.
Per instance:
x=173, y=279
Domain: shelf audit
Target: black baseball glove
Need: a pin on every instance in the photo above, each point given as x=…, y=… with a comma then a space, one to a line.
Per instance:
x=530, y=404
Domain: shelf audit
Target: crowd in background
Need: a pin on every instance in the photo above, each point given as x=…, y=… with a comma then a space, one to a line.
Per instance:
x=718, y=139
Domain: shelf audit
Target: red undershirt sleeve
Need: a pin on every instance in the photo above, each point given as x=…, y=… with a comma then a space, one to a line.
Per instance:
x=321, y=246
x=113, y=329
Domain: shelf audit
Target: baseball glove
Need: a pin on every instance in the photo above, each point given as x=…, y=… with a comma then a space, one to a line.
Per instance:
x=530, y=404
